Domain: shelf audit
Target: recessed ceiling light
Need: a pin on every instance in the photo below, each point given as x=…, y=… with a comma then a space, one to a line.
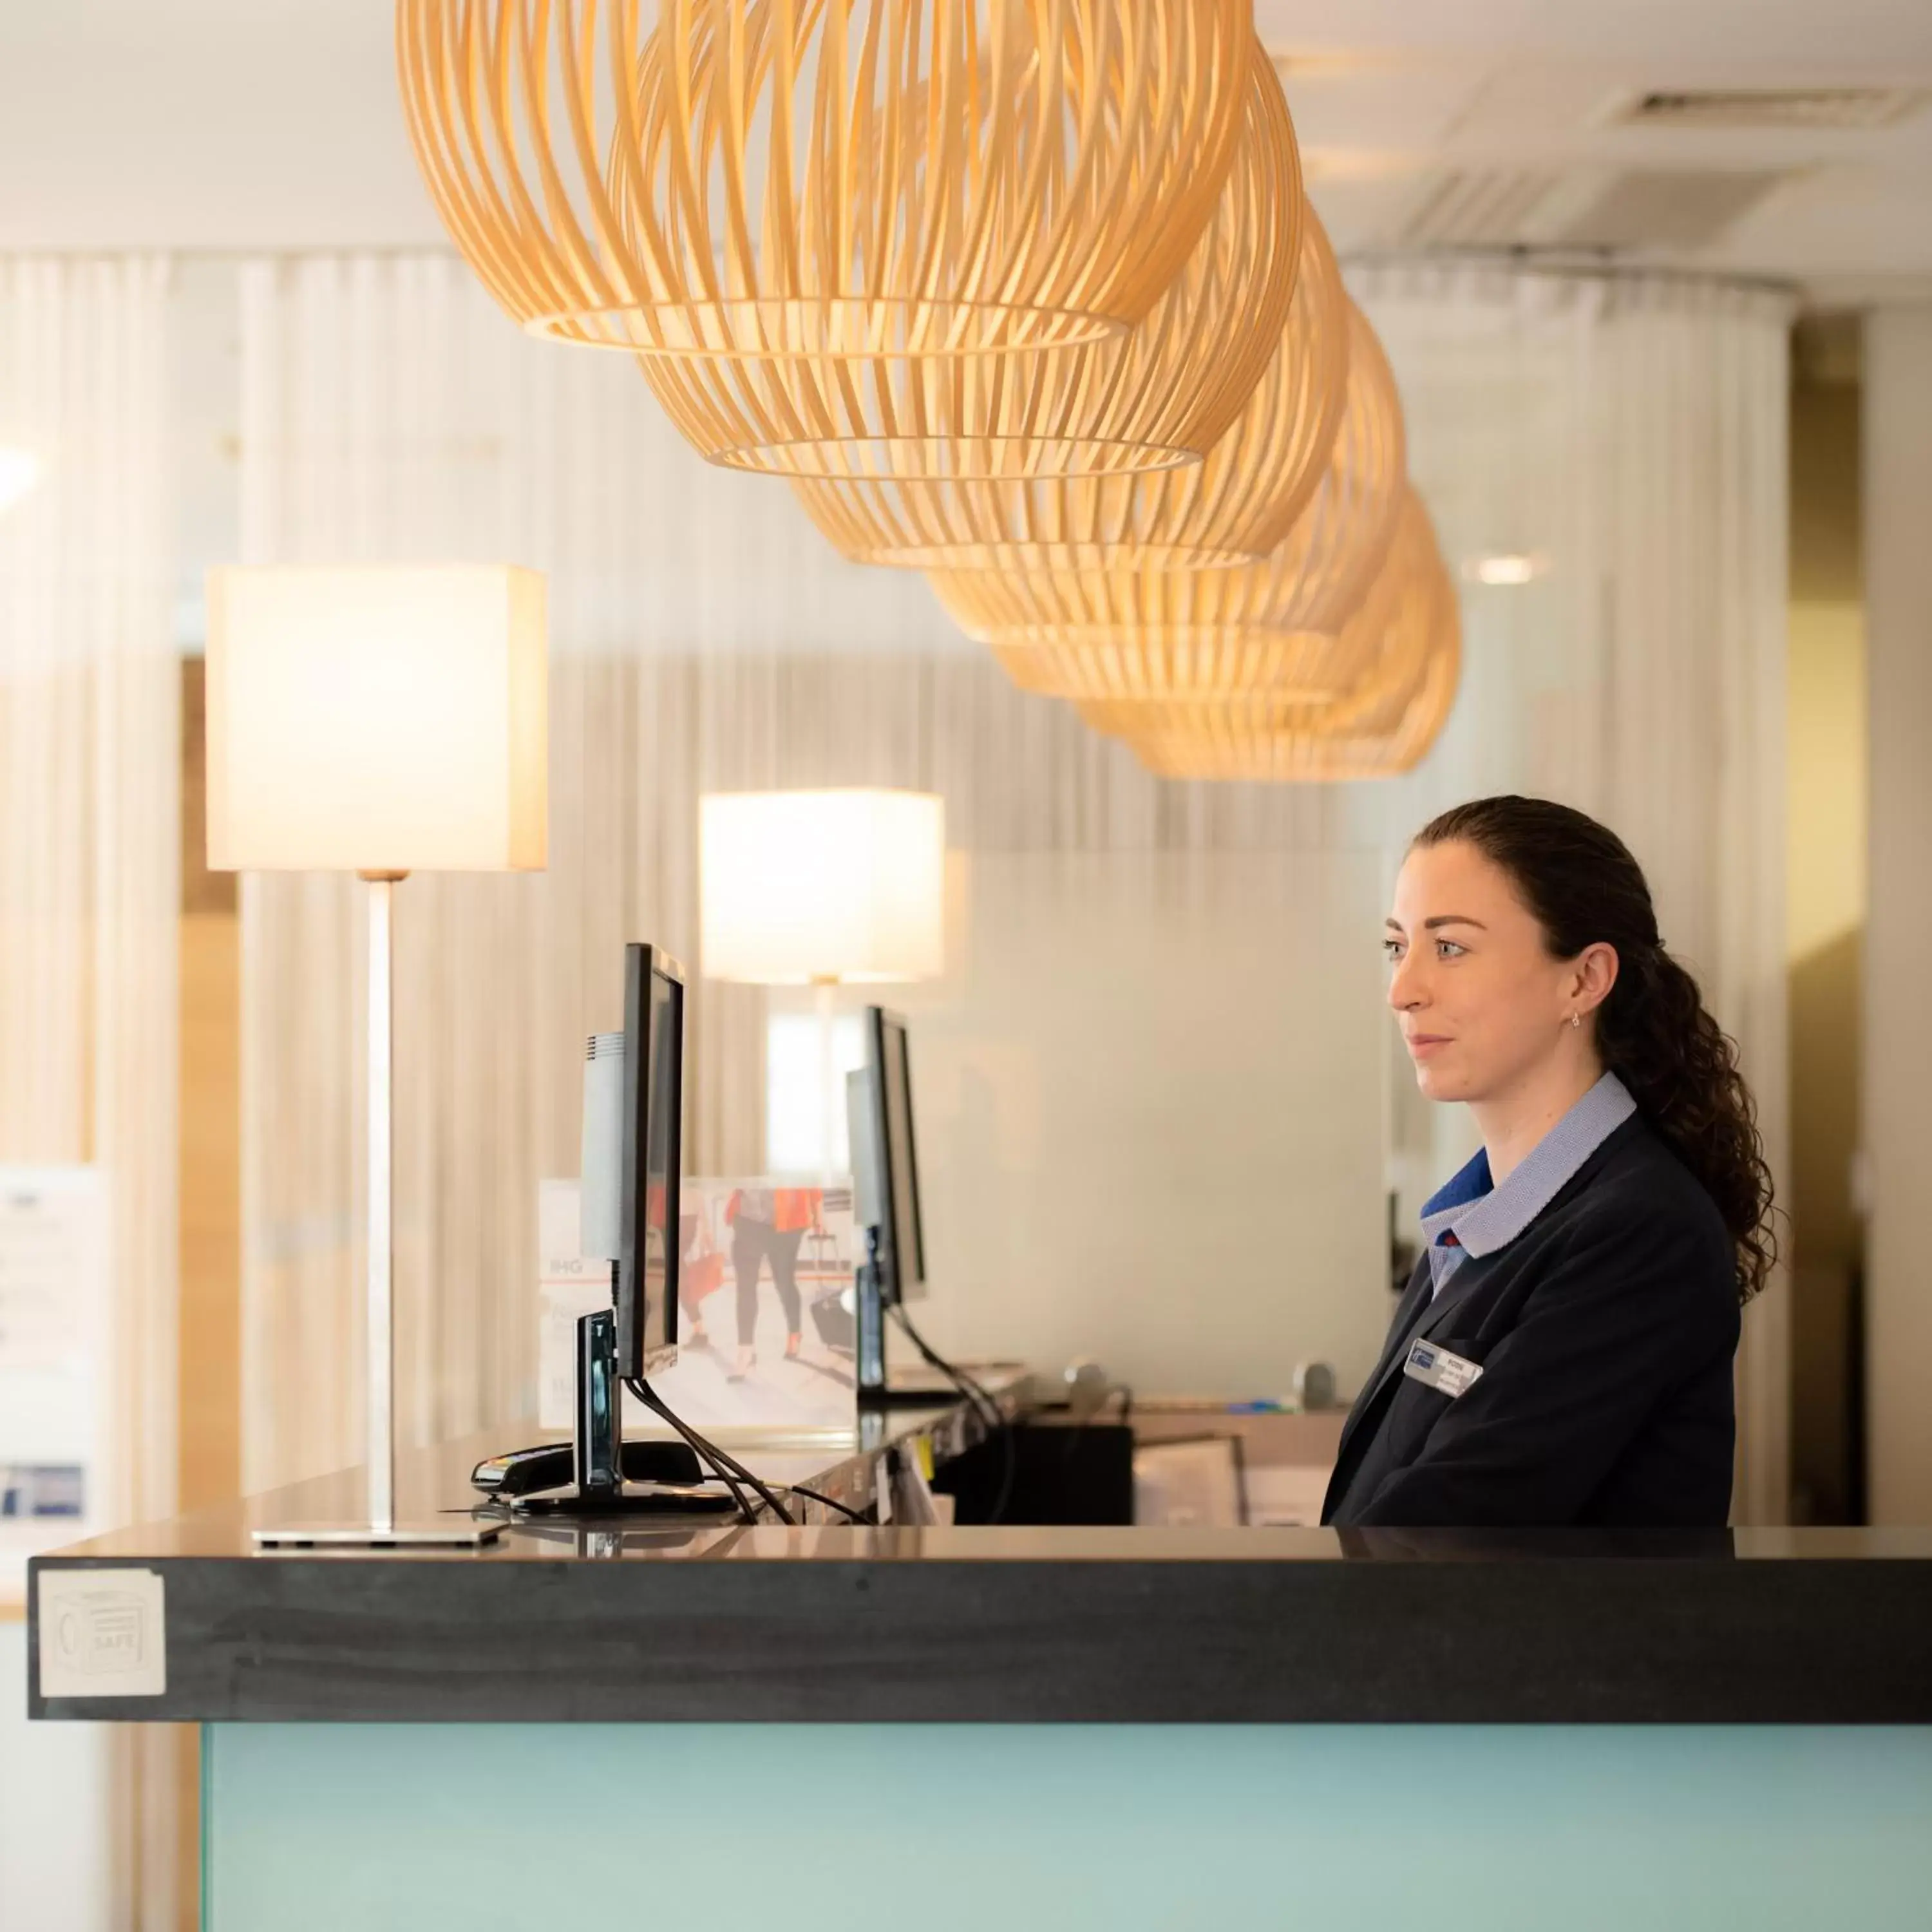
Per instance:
x=20, y=471
x=1508, y=567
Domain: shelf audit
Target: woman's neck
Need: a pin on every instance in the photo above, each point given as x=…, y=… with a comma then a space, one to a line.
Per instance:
x=1512, y=1123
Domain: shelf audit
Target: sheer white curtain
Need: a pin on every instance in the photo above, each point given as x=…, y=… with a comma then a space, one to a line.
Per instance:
x=1629, y=436
x=90, y=852
x=703, y=636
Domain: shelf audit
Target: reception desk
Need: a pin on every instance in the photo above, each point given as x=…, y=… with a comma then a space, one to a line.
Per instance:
x=729, y=1726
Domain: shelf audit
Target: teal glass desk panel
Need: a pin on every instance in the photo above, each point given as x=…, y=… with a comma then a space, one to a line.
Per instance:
x=830, y=1829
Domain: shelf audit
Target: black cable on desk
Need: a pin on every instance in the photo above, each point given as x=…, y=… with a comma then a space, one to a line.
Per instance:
x=991, y=1414
x=727, y=1466
x=799, y=1490
x=830, y=1502
x=989, y=1410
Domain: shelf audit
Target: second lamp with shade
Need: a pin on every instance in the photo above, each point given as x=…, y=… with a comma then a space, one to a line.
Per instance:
x=823, y=888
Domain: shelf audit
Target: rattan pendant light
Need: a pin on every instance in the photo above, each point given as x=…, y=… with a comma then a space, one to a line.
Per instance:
x=1163, y=634
x=824, y=177
x=1381, y=723
x=1159, y=395
x=1138, y=672
x=1359, y=673
x=1234, y=506
x=1307, y=756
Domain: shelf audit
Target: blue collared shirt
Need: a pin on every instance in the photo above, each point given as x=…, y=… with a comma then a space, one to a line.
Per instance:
x=1470, y=1216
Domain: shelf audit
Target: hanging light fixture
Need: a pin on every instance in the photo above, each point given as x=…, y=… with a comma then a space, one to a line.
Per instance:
x=1150, y=630
x=824, y=178
x=1233, y=506
x=1317, y=755
x=1262, y=675
x=1160, y=395
x=1367, y=691
x=1380, y=723
x=1206, y=664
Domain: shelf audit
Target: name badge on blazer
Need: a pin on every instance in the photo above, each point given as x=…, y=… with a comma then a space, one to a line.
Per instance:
x=1438, y=1368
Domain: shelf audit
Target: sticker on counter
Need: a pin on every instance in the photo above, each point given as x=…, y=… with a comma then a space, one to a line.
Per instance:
x=104, y=1633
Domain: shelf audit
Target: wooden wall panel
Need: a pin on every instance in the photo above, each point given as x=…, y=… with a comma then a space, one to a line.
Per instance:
x=210, y=1209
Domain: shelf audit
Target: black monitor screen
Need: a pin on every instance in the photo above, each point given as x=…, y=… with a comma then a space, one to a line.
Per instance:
x=647, y=1273
x=904, y=1237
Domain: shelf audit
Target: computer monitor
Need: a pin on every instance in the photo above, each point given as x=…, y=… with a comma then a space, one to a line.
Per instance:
x=653, y=1161
x=889, y=1091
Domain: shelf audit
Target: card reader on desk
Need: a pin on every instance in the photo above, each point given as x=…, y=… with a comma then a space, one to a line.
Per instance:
x=524, y=1472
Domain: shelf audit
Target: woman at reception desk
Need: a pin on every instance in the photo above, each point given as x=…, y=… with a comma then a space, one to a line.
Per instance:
x=1562, y=1355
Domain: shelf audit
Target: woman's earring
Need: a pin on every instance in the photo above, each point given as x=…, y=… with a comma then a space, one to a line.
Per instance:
x=1576, y=1020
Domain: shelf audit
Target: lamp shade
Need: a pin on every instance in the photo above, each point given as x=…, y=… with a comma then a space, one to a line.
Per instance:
x=1382, y=724
x=1152, y=396
x=740, y=179
x=1231, y=508
x=799, y=886
x=377, y=719
x=1121, y=683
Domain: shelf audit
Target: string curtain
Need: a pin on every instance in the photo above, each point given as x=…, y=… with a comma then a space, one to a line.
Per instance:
x=90, y=879
x=1627, y=436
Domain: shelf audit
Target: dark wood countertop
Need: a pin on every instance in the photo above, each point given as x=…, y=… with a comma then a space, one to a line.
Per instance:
x=624, y=1623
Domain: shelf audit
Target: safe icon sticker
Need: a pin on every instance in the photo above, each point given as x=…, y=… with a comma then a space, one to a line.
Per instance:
x=103, y=1633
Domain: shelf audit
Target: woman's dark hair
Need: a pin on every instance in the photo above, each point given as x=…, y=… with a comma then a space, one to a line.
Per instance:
x=1578, y=879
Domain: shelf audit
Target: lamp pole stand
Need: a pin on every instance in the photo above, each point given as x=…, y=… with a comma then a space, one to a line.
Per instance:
x=379, y=1309
x=381, y=1526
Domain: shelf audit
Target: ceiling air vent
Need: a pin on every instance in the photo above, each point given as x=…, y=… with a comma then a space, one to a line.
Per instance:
x=1492, y=208
x=1594, y=208
x=1850, y=107
x=1666, y=207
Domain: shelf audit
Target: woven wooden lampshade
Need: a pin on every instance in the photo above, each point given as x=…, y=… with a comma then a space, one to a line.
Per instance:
x=1304, y=756
x=1167, y=634
x=1234, y=505
x=1139, y=674
x=824, y=177
x=1375, y=663
x=1160, y=395
x=1380, y=725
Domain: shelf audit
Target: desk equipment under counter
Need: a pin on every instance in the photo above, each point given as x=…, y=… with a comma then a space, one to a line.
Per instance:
x=1098, y=1726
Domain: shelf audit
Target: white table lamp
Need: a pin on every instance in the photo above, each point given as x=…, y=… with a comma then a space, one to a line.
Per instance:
x=822, y=889
x=379, y=720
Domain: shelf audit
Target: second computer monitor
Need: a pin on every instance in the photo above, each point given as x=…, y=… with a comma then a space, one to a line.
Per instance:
x=650, y=1233
x=902, y=1236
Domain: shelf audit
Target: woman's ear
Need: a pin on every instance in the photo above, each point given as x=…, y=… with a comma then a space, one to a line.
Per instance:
x=1596, y=974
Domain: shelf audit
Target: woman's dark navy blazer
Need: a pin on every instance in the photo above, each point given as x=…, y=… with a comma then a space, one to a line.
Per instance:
x=1605, y=1332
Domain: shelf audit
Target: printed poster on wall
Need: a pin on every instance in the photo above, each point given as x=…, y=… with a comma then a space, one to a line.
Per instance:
x=767, y=1319
x=53, y=1289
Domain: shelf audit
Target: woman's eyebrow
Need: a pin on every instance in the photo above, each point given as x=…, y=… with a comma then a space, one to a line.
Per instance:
x=1453, y=919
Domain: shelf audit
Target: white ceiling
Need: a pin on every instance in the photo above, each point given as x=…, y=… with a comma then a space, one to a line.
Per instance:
x=271, y=124
x=1391, y=96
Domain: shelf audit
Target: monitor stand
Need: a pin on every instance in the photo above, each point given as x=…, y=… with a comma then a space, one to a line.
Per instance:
x=608, y=1476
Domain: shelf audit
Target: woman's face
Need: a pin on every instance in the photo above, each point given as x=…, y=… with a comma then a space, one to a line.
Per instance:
x=1480, y=1002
